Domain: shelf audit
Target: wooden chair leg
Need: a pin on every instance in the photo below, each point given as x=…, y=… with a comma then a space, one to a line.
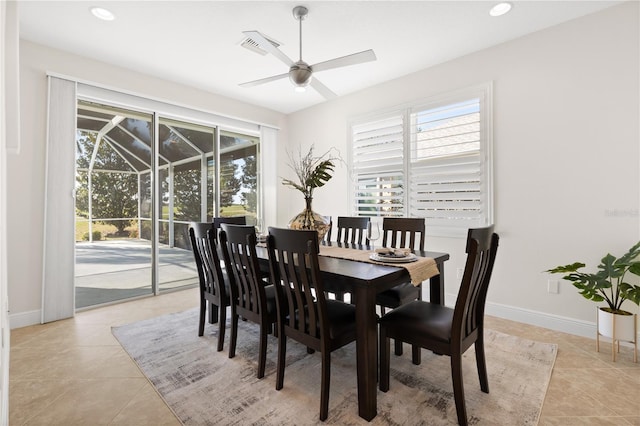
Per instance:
x=324, y=385
x=458, y=388
x=262, y=352
x=416, y=354
x=213, y=313
x=203, y=314
x=282, y=354
x=481, y=364
x=398, y=347
x=385, y=354
x=221, y=328
x=234, y=334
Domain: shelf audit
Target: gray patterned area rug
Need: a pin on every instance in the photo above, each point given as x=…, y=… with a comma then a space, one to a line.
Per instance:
x=205, y=387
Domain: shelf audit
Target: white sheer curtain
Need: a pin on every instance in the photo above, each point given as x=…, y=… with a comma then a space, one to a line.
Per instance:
x=58, y=291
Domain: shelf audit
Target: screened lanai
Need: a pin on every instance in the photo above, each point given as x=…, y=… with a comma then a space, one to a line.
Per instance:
x=202, y=172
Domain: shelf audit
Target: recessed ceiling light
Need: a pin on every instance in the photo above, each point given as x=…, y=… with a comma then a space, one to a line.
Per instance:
x=500, y=9
x=102, y=13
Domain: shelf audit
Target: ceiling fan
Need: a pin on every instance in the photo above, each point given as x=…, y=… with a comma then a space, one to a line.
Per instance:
x=301, y=73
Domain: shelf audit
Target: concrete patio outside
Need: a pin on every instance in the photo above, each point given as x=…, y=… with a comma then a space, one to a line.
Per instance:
x=112, y=270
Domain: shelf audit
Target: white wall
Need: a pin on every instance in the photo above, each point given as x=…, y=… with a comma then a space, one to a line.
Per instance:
x=25, y=186
x=566, y=155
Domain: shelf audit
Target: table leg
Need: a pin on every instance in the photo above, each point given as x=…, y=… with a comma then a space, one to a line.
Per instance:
x=366, y=352
x=436, y=286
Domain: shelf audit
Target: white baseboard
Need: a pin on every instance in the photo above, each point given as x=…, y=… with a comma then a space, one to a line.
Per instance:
x=550, y=321
x=541, y=319
x=23, y=319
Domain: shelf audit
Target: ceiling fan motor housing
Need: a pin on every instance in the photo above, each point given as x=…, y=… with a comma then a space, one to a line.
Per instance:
x=300, y=74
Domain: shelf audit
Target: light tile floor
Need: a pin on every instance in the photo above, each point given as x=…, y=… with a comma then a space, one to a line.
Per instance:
x=74, y=372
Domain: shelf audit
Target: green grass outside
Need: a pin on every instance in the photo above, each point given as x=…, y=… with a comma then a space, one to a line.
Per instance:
x=82, y=226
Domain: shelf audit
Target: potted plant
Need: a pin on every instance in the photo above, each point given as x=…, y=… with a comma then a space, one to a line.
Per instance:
x=312, y=172
x=609, y=284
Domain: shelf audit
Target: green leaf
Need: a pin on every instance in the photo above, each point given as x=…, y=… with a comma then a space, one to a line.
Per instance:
x=634, y=268
x=566, y=268
x=609, y=268
x=320, y=174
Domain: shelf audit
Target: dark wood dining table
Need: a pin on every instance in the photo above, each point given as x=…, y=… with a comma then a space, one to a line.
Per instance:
x=364, y=280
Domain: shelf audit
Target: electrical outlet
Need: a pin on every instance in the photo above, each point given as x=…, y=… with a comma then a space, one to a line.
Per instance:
x=553, y=287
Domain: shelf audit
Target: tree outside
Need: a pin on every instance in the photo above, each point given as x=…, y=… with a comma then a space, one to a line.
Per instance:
x=114, y=194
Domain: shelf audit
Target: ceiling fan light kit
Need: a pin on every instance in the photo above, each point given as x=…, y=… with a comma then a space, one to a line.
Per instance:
x=301, y=73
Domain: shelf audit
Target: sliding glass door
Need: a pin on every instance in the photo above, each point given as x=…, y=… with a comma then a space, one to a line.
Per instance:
x=113, y=156
x=187, y=191
x=197, y=171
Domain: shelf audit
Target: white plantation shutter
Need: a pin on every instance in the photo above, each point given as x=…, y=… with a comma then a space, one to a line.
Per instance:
x=437, y=165
x=378, y=167
x=447, y=167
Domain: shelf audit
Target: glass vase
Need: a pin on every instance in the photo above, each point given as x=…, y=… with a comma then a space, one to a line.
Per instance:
x=308, y=219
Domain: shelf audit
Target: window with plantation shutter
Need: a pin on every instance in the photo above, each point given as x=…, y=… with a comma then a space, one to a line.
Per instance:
x=378, y=167
x=430, y=160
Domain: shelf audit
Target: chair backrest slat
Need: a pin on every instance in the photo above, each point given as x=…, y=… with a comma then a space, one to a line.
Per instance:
x=403, y=232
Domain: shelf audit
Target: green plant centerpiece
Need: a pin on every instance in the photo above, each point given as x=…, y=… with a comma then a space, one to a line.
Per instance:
x=610, y=284
x=312, y=172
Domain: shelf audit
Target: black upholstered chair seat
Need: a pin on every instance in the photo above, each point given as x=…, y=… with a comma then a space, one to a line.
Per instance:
x=398, y=295
x=342, y=317
x=270, y=292
x=429, y=320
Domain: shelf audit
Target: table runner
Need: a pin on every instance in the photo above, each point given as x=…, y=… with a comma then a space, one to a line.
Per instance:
x=420, y=270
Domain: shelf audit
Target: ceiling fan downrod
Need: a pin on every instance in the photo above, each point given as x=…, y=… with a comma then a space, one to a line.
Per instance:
x=299, y=13
x=300, y=73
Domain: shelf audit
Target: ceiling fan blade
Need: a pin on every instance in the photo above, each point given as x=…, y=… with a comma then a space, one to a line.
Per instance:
x=322, y=89
x=265, y=44
x=353, y=59
x=264, y=80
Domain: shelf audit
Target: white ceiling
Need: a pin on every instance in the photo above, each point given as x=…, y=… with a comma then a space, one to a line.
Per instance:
x=197, y=43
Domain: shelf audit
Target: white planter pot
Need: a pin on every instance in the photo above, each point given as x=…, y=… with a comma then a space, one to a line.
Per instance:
x=618, y=328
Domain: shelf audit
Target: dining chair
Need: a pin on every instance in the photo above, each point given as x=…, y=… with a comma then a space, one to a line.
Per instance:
x=402, y=232
x=319, y=323
x=444, y=330
x=251, y=297
x=352, y=230
x=233, y=220
x=214, y=288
